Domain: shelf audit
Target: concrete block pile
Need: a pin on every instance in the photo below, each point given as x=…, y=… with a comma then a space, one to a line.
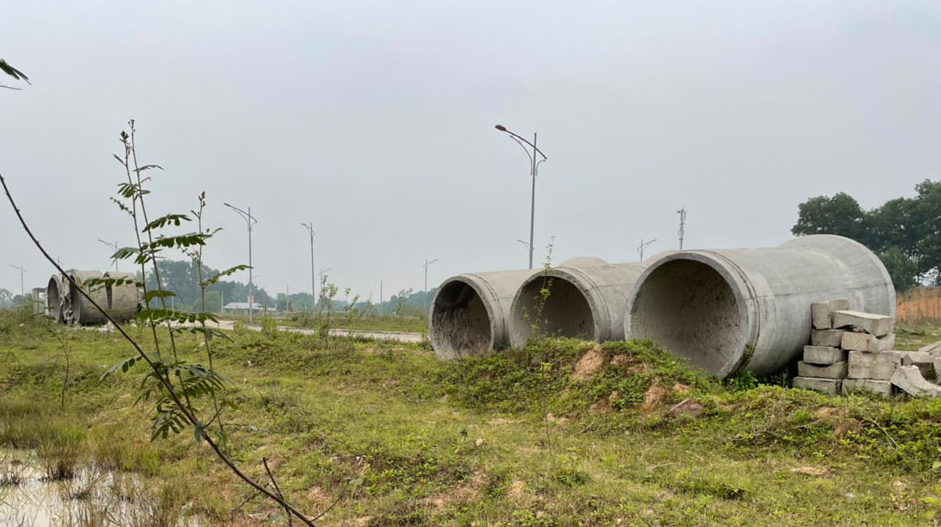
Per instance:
x=851, y=352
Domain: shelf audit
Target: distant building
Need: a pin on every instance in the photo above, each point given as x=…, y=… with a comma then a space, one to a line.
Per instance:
x=240, y=308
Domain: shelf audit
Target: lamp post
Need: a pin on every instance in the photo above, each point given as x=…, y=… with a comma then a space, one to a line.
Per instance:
x=249, y=221
x=115, y=247
x=643, y=245
x=534, y=162
x=525, y=244
x=426, y=266
x=313, y=280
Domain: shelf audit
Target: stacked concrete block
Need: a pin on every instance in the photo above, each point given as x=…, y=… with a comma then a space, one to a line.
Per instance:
x=822, y=312
x=910, y=380
x=869, y=340
x=851, y=352
x=824, y=364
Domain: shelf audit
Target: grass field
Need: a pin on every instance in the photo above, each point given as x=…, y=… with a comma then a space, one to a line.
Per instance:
x=342, y=321
x=530, y=437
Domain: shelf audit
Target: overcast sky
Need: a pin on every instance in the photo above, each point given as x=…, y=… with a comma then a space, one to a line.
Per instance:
x=375, y=120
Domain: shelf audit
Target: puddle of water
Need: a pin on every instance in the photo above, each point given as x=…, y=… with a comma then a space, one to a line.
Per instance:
x=92, y=497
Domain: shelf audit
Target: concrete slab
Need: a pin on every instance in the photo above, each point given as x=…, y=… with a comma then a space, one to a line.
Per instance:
x=867, y=342
x=826, y=337
x=877, y=325
x=825, y=386
x=877, y=366
x=859, y=386
x=822, y=312
x=823, y=355
x=934, y=348
x=833, y=371
x=909, y=380
x=820, y=315
x=923, y=360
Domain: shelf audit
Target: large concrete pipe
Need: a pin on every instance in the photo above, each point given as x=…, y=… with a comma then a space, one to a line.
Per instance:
x=734, y=310
x=469, y=313
x=124, y=300
x=121, y=301
x=56, y=293
x=81, y=311
x=586, y=298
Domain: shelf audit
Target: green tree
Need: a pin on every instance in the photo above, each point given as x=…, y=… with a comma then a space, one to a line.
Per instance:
x=840, y=214
x=905, y=232
x=927, y=220
x=900, y=267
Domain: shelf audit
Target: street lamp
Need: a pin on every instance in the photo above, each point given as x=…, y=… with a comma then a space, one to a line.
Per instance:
x=426, y=266
x=313, y=287
x=249, y=221
x=643, y=245
x=115, y=247
x=525, y=243
x=533, y=170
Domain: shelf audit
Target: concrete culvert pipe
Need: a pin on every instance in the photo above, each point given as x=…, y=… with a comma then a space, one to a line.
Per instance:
x=734, y=310
x=469, y=313
x=82, y=312
x=585, y=299
x=121, y=301
x=55, y=292
x=124, y=300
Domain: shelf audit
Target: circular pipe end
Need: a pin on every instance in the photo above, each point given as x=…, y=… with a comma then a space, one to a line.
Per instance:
x=462, y=321
x=556, y=303
x=696, y=305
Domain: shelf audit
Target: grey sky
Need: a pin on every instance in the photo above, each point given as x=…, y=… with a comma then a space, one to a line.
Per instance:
x=375, y=121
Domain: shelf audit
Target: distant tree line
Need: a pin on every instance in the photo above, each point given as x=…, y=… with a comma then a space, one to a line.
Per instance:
x=904, y=232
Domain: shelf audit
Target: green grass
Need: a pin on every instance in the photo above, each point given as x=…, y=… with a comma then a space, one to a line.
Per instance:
x=912, y=337
x=406, y=439
x=342, y=321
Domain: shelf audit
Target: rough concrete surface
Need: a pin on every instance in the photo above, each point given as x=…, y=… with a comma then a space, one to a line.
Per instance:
x=586, y=299
x=858, y=386
x=823, y=355
x=909, y=380
x=878, y=366
x=827, y=386
x=874, y=324
x=822, y=312
x=736, y=310
x=826, y=337
x=866, y=342
x=923, y=360
x=468, y=314
x=836, y=370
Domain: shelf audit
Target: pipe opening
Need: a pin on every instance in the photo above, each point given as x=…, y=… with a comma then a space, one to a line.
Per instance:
x=53, y=306
x=691, y=310
x=564, y=313
x=461, y=325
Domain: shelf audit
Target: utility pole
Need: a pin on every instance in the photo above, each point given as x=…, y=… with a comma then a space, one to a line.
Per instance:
x=534, y=162
x=529, y=248
x=643, y=245
x=115, y=247
x=682, y=213
x=313, y=281
x=380, y=298
x=249, y=221
x=427, y=264
x=22, y=272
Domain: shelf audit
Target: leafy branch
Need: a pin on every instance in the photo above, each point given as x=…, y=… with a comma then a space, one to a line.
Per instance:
x=173, y=400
